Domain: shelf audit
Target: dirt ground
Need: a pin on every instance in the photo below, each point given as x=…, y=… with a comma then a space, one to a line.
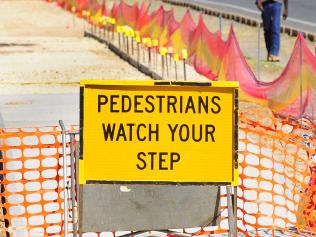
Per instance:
x=42, y=50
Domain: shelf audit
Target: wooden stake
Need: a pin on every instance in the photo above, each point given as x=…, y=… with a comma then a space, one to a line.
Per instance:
x=167, y=68
x=119, y=39
x=138, y=53
x=149, y=57
x=124, y=42
x=127, y=45
x=113, y=31
x=170, y=62
x=184, y=71
x=175, y=70
x=162, y=67
x=132, y=42
x=156, y=59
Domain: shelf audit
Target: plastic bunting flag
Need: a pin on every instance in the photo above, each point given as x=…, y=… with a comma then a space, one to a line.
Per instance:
x=293, y=92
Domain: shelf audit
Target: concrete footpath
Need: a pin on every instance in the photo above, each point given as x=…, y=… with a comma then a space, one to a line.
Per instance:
x=32, y=110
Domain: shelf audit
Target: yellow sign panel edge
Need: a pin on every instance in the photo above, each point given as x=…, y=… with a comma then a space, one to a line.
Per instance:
x=91, y=82
x=94, y=82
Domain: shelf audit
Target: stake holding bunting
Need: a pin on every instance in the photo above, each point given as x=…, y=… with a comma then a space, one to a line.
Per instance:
x=132, y=35
x=138, y=41
x=149, y=45
x=113, y=22
x=103, y=24
x=127, y=35
x=176, y=59
x=123, y=28
x=84, y=14
x=119, y=31
x=108, y=27
x=168, y=62
x=89, y=21
x=155, y=46
x=170, y=52
x=144, y=48
x=220, y=23
x=73, y=10
x=184, y=58
x=163, y=52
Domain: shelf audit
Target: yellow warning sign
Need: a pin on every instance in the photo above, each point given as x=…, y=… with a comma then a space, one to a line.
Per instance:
x=162, y=132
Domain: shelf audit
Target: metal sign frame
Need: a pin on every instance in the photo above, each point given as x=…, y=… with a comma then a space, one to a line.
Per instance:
x=232, y=87
x=76, y=158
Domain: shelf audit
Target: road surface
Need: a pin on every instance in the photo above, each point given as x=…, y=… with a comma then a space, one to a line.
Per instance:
x=33, y=110
x=301, y=12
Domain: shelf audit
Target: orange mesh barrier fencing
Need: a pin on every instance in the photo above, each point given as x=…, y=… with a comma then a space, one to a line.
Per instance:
x=276, y=194
x=277, y=174
x=276, y=189
x=33, y=181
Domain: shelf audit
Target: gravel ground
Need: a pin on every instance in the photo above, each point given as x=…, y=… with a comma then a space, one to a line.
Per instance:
x=42, y=50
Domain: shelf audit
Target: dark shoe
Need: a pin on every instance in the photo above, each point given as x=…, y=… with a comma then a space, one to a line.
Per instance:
x=274, y=58
x=269, y=59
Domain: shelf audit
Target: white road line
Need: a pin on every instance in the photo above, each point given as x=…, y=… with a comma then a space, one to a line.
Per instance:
x=301, y=22
x=233, y=6
x=257, y=12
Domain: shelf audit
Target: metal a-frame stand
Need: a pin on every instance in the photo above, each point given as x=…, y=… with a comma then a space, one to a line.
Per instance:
x=76, y=201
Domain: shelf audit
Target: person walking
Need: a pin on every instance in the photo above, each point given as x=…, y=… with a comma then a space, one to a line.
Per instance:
x=271, y=17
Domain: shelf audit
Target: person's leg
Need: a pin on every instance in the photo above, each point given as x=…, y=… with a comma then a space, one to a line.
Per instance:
x=266, y=19
x=275, y=29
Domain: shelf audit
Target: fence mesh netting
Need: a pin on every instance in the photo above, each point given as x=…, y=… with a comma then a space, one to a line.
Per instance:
x=32, y=181
x=292, y=93
x=276, y=189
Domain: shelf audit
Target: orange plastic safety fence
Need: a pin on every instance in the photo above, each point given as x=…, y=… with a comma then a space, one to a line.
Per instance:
x=33, y=181
x=276, y=195
x=276, y=184
x=277, y=174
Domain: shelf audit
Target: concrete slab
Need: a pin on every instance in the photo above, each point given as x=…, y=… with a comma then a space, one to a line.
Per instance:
x=109, y=207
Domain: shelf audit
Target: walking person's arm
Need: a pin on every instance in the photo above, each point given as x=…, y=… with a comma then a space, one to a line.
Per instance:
x=259, y=4
x=286, y=9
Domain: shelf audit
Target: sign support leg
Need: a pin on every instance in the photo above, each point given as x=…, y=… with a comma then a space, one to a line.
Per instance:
x=63, y=129
x=73, y=183
x=77, y=154
x=231, y=216
x=235, y=211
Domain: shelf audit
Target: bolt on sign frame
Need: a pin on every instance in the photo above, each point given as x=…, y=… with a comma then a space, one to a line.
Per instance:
x=138, y=134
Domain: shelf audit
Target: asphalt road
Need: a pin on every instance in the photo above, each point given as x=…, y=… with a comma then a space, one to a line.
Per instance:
x=302, y=13
x=38, y=110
